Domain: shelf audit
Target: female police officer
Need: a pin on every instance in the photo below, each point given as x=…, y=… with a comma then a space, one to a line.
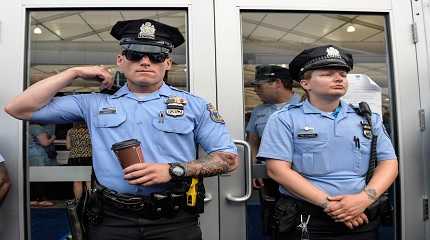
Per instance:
x=318, y=152
x=169, y=123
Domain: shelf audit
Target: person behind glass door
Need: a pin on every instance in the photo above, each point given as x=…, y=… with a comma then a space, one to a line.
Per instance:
x=4, y=180
x=41, y=137
x=78, y=142
x=319, y=153
x=274, y=86
x=168, y=122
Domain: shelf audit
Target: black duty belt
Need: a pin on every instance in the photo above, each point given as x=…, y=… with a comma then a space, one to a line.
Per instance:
x=164, y=204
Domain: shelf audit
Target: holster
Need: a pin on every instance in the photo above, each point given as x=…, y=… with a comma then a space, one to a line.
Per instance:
x=284, y=218
x=82, y=212
x=381, y=208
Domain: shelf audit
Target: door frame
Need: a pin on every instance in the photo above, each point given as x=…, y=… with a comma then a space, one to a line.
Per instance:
x=13, y=22
x=405, y=95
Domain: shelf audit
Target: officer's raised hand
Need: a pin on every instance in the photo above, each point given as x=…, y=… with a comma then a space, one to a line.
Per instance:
x=347, y=207
x=147, y=174
x=99, y=73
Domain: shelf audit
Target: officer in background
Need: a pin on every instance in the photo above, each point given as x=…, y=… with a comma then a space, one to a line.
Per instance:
x=4, y=180
x=168, y=122
x=274, y=87
x=318, y=151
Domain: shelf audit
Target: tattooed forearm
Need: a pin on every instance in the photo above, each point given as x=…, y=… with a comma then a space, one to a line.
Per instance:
x=212, y=164
x=371, y=194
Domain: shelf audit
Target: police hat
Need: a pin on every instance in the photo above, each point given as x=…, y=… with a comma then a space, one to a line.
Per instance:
x=267, y=73
x=328, y=56
x=147, y=35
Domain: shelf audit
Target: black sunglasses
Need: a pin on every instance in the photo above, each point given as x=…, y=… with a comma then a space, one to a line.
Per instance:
x=153, y=57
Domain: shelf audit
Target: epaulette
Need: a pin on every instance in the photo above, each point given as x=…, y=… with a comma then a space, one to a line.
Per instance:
x=356, y=109
x=180, y=90
x=292, y=106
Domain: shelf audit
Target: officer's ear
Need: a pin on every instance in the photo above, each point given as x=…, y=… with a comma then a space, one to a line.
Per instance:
x=119, y=59
x=305, y=84
x=168, y=63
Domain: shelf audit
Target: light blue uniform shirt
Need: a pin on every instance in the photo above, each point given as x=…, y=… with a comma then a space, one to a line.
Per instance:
x=1, y=158
x=122, y=116
x=260, y=115
x=331, y=160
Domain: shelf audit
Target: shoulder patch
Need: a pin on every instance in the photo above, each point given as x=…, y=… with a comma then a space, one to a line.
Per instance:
x=214, y=114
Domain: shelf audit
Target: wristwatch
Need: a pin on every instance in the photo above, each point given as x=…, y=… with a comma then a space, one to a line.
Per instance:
x=176, y=170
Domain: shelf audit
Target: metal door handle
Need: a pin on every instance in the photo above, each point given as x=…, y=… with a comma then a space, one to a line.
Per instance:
x=208, y=197
x=248, y=173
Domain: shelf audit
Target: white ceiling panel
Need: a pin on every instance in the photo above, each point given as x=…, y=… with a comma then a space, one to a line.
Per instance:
x=372, y=65
x=247, y=28
x=377, y=20
x=40, y=15
x=253, y=16
x=178, y=14
x=360, y=33
x=348, y=15
x=68, y=26
x=101, y=19
x=44, y=36
x=296, y=38
x=284, y=20
x=318, y=25
x=152, y=14
x=107, y=37
x=91, y=38
x=380, y=37
x=266, y=34
x=173, y=21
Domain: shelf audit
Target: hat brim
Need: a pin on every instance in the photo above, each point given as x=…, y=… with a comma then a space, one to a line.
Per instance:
x=146, y=46
x=262, y=81
x=327, y=63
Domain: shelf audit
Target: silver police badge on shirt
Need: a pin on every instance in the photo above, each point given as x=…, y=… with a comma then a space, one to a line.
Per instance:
x=307, y=132
x=367, y=130
x=175, y=106
x=147, y=30
x=214, y=114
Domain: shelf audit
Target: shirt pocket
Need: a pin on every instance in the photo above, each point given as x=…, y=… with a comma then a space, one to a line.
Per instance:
x=110, y=120
x=310, y=155
x=361, y=157
x=174, y=125
x=174, y=136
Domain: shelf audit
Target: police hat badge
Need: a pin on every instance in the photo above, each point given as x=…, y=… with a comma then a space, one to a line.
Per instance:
x=175, y=106
x=214, y=114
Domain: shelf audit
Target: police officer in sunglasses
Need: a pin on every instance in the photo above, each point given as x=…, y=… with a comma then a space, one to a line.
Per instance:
x=138, y=202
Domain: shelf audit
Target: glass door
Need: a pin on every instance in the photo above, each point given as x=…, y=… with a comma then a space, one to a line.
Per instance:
x=63, y=35
x=251, y=34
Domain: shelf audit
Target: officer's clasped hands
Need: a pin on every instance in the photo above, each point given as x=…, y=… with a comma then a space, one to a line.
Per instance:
x=147, y=174
x=346, y=208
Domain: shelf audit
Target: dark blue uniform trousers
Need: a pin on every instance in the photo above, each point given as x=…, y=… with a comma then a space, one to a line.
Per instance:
x=120, y=224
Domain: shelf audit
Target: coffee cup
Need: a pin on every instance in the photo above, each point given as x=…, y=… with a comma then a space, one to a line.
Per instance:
x=128, y=152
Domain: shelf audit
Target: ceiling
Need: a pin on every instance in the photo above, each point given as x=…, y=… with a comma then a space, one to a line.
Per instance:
x=70, y=38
